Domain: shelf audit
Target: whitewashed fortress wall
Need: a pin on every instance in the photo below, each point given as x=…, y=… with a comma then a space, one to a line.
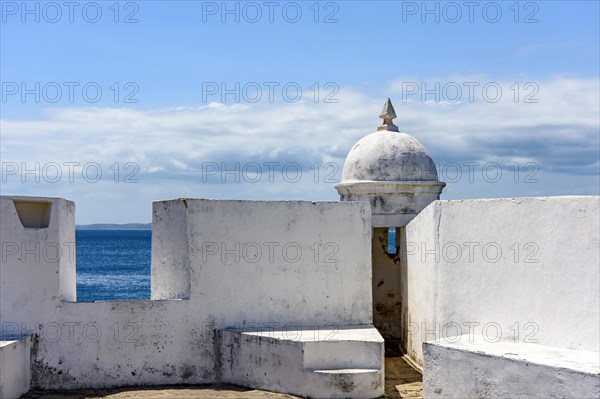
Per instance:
x=280, y=267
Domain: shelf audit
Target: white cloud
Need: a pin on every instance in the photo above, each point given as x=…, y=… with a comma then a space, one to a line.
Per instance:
x=559, y=133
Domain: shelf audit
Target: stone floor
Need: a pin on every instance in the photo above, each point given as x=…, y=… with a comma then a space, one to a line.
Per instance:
x=188, y=392
x=401, y=381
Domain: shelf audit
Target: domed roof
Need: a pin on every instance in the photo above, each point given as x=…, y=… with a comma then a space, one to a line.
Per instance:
x=388, y=155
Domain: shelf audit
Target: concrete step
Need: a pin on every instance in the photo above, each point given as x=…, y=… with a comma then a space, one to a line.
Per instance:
x=318, y=363
x=474, y=367
x=345, y=351
x=346, y=371
x=349, y=383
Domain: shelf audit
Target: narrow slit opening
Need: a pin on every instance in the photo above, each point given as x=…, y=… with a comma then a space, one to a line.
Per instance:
x=391, y=241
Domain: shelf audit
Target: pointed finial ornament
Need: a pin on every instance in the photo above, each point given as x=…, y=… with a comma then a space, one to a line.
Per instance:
x=388, y=113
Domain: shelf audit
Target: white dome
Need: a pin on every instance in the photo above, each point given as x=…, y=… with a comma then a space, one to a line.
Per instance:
x=392, y=171
x=388, y=156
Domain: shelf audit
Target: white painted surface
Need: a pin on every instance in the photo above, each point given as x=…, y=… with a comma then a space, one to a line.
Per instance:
x=317, y=363
x=560, y=358
x=38, y=264
x=124, y=343
x=170, y=261
x=328, y=333
x=392, y=203
x=227, y=285
x=276, y=261
x=549, y=286
x=15, y=374
x=392, y=171
x=472, y=367
x=388, y=156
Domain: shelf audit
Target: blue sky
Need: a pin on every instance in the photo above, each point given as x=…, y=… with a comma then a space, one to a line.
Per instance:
x=161, y=127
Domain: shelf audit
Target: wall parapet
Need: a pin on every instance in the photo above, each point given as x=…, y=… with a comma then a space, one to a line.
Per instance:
x=517, y=269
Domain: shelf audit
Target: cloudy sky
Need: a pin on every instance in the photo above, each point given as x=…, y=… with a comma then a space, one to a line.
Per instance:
x=117, y=104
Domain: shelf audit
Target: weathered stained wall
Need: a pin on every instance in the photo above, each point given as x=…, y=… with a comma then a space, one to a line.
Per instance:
x=280, y=261
x=314, y=270
x=38, y=264
x=507, y=370
x=15, y=373
x=524, y=269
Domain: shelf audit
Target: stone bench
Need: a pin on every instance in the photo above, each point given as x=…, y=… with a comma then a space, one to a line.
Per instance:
x=472, y=367
x=319, y=363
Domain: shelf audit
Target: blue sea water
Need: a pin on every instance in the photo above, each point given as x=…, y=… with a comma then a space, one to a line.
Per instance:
x=113, y=264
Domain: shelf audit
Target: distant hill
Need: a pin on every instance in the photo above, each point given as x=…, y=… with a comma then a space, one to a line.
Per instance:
x=113, y=226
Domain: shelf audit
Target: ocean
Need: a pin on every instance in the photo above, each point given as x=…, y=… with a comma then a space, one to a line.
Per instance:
x=113, y=264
